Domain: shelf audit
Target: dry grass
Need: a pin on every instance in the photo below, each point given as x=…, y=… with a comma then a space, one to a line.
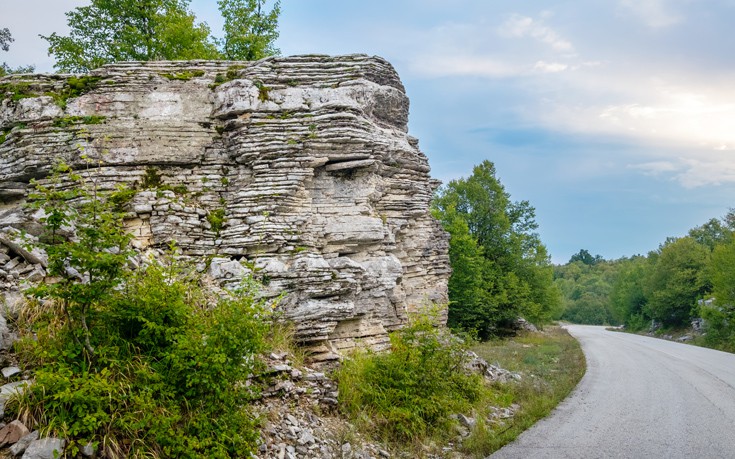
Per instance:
x=550, y=363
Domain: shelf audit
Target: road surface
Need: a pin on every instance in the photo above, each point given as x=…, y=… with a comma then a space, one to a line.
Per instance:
x=640, y=398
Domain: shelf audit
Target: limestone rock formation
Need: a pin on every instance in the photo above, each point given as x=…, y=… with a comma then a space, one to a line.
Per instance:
x=298, y=169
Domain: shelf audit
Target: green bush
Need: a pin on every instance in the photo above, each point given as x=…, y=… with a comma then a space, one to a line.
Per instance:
x=412, y=391
x=141, y=364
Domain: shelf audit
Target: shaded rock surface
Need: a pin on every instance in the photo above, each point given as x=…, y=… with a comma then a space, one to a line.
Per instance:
x=300, y=169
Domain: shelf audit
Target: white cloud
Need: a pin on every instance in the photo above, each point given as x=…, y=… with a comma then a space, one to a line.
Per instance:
x=550, y=67
x=518, y=26
x=653, y=13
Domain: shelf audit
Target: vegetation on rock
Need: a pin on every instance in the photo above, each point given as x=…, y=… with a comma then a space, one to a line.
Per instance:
x=139, y=363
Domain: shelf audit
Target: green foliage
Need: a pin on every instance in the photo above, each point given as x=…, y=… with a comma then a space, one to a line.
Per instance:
x=585, y=257
x=586, y=285
x=73, y=120
x=720, y=316
x=142, y=364
x=250, y=30
x=501, y=270
x=216, y=219
x=675, y=281
x=16, y=91
x=123, y=30
x=107, y=31
x=183, y=76
x=263, y=92
x=411, y=391
x=151, y=178
x=6, y=38
x=551, y=364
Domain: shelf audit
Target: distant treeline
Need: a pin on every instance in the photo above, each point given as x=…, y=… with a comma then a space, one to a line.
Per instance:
x=663, y=287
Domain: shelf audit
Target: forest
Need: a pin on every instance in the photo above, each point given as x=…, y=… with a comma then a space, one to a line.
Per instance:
x=684, y=279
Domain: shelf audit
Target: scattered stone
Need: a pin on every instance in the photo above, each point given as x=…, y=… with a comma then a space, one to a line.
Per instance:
x=45, y=448
x=18, y=448
x=11, y=433
x=9, y=372
x=466, y=421
x=88, y=450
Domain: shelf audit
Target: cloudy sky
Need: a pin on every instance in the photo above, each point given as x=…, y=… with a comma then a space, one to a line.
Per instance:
x=614, y=118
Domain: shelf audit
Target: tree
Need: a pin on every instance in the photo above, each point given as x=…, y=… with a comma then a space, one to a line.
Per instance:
x=5, y=40
x=249, y=31
x=496, y=254
x=675, y=280
x=121, y=30
x=715, y=231
x=585, y=257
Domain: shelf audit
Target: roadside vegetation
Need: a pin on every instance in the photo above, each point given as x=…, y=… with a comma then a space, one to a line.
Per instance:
x=686, y=278
x=411, y=399
x=500, y=268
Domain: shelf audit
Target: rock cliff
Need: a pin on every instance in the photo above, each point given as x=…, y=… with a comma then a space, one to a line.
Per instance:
x=297, y=169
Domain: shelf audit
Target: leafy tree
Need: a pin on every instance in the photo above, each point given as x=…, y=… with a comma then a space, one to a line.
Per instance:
x=5, y=40
x=585, y=257
x=720, y=316
x=249, y=31
x=715, y=231
x=121, y=30
x=515, y=275
x=627, y=297
x=97, y=256
x=467, y=284
x=675, y=280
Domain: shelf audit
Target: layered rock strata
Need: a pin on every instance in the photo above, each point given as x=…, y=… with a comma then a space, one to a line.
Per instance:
x=297, y=169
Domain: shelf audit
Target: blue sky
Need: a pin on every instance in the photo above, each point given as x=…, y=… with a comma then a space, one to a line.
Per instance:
x=614, y=118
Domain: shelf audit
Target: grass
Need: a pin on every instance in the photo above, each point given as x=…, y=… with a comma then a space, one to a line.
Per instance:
x=409, y=399
x=550, y=364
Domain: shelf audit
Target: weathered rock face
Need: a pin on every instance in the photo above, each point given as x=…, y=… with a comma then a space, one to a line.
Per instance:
x=298, y=168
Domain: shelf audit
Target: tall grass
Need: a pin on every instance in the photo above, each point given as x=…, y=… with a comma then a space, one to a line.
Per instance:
x=551, y=364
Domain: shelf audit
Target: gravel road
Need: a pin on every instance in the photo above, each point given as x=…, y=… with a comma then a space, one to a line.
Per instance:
x=640, y=398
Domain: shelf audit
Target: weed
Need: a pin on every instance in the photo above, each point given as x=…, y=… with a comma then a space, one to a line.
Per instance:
x=73, y=120
x=216, y=219
x=263, y=90
x=151, y=179
x=183, y=76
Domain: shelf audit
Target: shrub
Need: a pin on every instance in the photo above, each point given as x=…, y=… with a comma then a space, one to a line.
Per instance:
x=140, y=364
x=413, y=390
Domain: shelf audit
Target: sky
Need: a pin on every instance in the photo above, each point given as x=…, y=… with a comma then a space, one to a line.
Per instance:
x=614, y=118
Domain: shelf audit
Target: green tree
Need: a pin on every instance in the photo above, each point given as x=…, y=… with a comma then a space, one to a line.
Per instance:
x=675, y=280
x=720, y=316
x=470, y=302
x=627, y=297
x=123, y=30
x=250, y=31
x=585, y=257
x=715, y=231
x=515, y=274
x=90, y=266
x=6, y=38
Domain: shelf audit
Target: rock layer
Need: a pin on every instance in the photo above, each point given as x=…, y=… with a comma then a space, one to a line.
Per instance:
x=297, y=169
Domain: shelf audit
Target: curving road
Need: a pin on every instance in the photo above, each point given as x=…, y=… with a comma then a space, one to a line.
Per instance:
x=640, y=398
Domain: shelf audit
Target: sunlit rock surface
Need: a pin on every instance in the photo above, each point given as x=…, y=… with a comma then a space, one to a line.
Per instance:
x=300, y=169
